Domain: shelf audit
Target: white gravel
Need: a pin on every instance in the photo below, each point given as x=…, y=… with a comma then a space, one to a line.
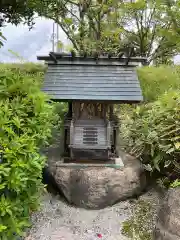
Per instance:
x=58, y=221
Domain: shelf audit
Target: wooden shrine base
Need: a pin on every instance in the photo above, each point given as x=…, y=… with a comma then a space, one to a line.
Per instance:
x=85, y=161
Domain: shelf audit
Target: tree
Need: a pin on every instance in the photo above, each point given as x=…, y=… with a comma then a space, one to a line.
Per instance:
x=84, y=22
x=108, y=26
x=149, y=29
x=172, y=9
x=15, y=12
x=115, y=26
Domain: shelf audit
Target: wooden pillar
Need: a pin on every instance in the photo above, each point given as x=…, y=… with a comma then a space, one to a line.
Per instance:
x=69, y=113
x=110, y=112
x=70, y=109
x=95, y=109
x=71, y=137
x=73, y=110
x=105, y=106
x=71, y=132
x=114, y=136
x=65, y=140
x=109, y=134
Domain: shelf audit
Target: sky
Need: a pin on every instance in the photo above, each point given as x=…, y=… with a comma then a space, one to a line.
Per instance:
x=30, y=44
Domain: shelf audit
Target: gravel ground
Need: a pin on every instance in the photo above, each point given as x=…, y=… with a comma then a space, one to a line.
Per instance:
x=58, y=221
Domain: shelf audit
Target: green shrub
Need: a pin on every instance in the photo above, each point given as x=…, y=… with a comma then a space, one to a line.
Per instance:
x=175, y=183
x=152, y=133
x=26, y=119
x=36, y=71
x=155, y=81
x=26, y=68
x=61, y=109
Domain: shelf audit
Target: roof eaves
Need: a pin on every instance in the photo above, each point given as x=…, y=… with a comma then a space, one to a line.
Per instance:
x=58, y=58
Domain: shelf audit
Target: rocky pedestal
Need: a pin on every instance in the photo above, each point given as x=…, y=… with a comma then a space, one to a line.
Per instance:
x=168, y=222
x=97, y=187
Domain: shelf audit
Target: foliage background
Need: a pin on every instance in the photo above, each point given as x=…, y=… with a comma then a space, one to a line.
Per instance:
x=151, y=131
x=155, y=81
x=27, y=117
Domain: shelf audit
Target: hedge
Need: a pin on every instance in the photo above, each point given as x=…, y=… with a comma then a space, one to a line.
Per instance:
x=151, y=132
x=26, y=119
x=155, y=81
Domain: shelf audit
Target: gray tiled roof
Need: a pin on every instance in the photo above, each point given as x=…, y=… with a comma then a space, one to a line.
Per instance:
x=92, y=82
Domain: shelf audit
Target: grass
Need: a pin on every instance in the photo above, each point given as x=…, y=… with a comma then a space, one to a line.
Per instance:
x=154, y=80
x=157, y=80
x=140, y=225
x=28, y=67
x=35, y=71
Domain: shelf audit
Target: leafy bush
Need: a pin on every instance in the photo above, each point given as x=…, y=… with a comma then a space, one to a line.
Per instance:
x=152, y=133
x=155, y=81
x=175, y=183
x=26, y=119
x=26, y=68
x=61, y=109
x=36, y=71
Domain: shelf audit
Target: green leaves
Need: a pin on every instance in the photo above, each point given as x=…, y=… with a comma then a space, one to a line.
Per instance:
x=175, y=184
x=2, y=228
x=1, y=39
x=116, y=26
x=25, y=124
x=68, y=21
x=155, y=81
x=24, y=11
x=153, y=134
x=140, y=225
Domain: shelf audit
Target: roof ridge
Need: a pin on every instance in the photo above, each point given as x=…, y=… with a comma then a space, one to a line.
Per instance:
x=55, y=56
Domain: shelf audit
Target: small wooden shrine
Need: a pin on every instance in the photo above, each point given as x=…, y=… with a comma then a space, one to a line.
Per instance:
x=91, y=86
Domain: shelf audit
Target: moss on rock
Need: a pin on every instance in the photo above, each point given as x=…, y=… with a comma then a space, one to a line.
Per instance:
x=140, y=225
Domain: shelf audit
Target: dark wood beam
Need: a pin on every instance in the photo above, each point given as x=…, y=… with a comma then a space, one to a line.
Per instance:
x=95, y=57
x=120, y=55
x=129, y=57
x=53, y=57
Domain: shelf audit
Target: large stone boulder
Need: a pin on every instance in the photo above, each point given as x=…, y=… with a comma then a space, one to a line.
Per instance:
x=97, y=187
x=168, y=222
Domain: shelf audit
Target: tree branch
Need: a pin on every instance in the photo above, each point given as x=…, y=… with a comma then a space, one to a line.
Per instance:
x=172, y=16
x=152, y=40
x=69, y=11
x=72, y=2
x=71, y=38
x=140, y=33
